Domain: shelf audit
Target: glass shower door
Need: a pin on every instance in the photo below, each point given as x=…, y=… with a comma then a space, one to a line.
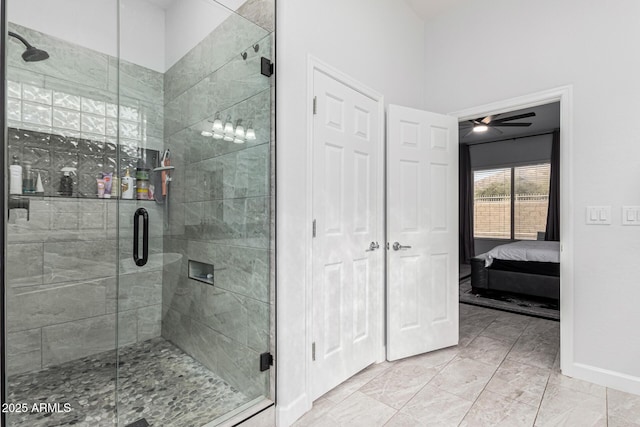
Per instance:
x=61, y=261
x=139, y=239
x=194, y=308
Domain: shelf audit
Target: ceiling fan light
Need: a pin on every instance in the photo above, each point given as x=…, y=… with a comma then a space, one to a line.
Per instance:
x=206, y=133
x=251, y=134
x=217, y=125
x=217, y=135
x=480, y=128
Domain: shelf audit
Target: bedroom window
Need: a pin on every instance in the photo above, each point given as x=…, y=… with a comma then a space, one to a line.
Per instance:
x=521, y=193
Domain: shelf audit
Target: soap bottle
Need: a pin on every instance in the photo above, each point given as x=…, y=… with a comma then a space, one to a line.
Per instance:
x=66, y=182
x=15, y=180
x=28, y=179
x=127, y=186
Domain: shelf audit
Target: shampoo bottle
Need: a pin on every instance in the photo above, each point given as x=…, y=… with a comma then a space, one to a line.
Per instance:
x=15, y=180
x=127, y=186
x=66, y=182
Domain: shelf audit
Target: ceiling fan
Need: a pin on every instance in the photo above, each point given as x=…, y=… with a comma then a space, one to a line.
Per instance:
x=483, y=124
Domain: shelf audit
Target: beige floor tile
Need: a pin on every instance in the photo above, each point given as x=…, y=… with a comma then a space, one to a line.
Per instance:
x=464, y=377
x=556, y=363
x=401, y=419
x=560, y=380
x=433, y=358
x=505, y=329
x=397, y=385
x=535, y=350
x=520, y=382
x=319, y=410
x=359, y=410
x=495, y=410
x=435, y=407
x=565, y=407
x=486, y=350
x=514, y=318
x=547, y=328
x=344, y=390
x=623, y=409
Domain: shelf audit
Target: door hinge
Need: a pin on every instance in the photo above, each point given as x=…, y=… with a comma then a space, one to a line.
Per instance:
x=313, y=232
x=266, y=361
x=313, y=351
x=266, y=67
x=315, y=105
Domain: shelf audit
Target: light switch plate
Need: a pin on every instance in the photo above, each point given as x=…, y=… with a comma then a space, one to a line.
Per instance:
x=599, y=215
x=631, y=215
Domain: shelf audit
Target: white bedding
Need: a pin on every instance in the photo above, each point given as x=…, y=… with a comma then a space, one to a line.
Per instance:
x=526, y=250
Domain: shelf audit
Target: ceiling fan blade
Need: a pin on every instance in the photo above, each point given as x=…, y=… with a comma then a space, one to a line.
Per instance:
x=496, y=129
x=465, y=124
x=513, y=125
x=519, y=116
x=487, y=120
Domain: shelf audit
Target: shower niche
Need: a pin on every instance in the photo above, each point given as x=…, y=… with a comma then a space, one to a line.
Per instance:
x=156, y=344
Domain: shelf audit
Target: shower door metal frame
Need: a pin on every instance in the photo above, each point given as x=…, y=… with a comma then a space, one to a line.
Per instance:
x=3, y=197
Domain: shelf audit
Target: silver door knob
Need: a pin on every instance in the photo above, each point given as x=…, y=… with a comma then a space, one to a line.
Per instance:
x=373, y=246
x=397, y=246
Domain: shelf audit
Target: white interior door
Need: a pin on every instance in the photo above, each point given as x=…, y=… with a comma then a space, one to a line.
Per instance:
x=347, y=270
x=422, y=231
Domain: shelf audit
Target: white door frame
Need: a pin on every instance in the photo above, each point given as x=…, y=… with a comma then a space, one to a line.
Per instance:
x=564, y=95
x=314, y=64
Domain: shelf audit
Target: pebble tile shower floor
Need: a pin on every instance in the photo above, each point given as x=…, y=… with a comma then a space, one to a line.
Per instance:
x=157, y=381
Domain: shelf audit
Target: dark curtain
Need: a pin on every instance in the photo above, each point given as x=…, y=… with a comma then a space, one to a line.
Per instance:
x=466, y=205
x=553, y=214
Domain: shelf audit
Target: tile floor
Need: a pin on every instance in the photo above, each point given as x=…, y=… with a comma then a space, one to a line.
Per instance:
x=156, y=381
x=505, y=372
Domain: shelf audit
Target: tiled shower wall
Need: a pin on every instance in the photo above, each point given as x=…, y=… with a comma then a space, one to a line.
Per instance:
x=62, y=261
x=221, y=210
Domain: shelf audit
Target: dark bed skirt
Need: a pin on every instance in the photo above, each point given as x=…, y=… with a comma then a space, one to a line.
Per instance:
x=527, y=283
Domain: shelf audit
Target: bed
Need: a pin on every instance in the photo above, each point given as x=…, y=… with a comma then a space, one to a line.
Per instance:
x=528, y=267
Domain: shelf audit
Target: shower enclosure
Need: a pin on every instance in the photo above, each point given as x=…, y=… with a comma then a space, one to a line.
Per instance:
x=138, y=253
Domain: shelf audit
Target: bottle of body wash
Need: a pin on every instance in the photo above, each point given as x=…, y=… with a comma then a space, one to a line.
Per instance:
x=127, y=186
x=66, y=182
x=15, y=180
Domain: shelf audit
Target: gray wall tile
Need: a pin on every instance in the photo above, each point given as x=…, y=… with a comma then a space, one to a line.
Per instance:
x=149, y=322
x=64, y=262
x=260, y=12
x=31, y=309
x=73, y=340
x=78, y=64
x=24, y=351
x=25, y=264
x=228, y=40
x=137, y=290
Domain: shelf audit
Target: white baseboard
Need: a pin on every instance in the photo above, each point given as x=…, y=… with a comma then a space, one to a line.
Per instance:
x=287, y=415
x=604, y=377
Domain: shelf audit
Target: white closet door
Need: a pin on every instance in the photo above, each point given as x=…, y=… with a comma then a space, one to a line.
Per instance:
x=347, y=271
x=422, y=231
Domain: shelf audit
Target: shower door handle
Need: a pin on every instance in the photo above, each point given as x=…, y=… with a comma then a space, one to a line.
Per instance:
x=141, y=212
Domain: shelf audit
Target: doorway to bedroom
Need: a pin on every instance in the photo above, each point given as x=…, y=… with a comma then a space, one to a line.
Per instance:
x=509, y=211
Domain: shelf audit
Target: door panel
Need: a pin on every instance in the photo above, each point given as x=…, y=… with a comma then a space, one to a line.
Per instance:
x=422, y=171
x=346, y=146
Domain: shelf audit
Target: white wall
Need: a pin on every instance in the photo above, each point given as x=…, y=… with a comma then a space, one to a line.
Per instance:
x=93, y=24
x=593, y=46
x=378, y=43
